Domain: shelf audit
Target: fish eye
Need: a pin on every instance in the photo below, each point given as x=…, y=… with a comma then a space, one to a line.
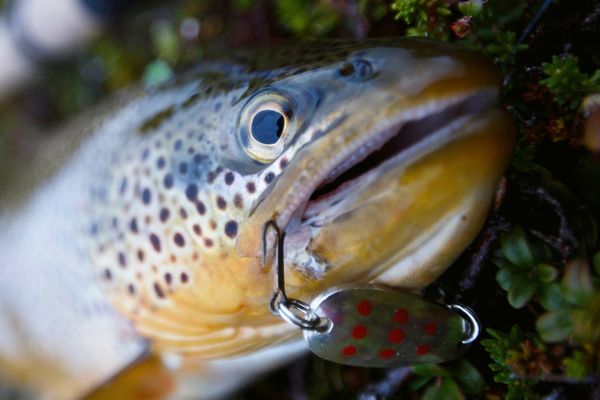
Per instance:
x=267, y=126
x=264, y=126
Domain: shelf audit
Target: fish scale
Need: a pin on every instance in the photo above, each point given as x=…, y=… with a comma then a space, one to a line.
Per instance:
x=138, y=249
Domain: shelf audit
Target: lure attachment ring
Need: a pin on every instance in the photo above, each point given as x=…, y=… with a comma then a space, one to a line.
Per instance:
x=469, y=316
x=293, y=311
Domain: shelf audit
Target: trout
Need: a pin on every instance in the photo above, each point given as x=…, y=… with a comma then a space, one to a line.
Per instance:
x=130, y=248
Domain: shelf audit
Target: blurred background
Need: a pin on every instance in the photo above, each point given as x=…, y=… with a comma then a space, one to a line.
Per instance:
x=61, y=57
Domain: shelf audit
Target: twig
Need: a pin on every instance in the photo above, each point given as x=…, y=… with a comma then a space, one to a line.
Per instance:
x=387, y=386
x=495, y=227
x=566, y=242
x=534, y=21
x=297, y=375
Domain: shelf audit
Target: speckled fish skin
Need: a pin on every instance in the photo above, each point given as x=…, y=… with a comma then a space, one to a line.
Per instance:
x=146, y=240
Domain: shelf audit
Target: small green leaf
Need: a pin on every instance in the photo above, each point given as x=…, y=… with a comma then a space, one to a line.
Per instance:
x=418, y=382
x=448, y=389
x=550, y=296
x=555, y=326
x=470, y=7
x=546, y=273
x=516, y=248
x=505, y=278
x=467, y=376
x=578, y=365
x=521, y=292
x=501, y=262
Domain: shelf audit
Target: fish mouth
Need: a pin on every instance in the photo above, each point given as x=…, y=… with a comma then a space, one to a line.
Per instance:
x=400, y=212
x=405, y=140
x=373, y=192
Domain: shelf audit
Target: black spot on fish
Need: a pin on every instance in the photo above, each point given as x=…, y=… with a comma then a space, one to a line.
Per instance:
x=183, y=168
x=164, y=214
x=197, y=229
x=200, y=159
x=122, y=260
x=251, y=187
x=221, y=203
x=178, y=239
x=168, y=181
x=155, y=241
x=133, y=225
x=191, y=192
x=158, y=290
x=146, y=196
x=160, y=163
x=200, y=207
x=269, y=177
x=229, y=178
x=231, y=229
x=184, y=277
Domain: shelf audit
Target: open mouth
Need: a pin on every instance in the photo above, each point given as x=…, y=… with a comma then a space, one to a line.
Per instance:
x=396, y=146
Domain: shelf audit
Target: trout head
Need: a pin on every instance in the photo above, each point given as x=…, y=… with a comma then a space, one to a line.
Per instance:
x=379, y=159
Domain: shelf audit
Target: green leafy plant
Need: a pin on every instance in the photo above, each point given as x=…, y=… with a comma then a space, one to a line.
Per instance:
x=579, y=319
x=524, y=271
x=506, y=47
x=423, y=17
x=503, y=348
x=567, y=82
x=451, y=380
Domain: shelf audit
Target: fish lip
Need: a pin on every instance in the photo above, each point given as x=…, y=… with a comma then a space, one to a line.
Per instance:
x=308, y=211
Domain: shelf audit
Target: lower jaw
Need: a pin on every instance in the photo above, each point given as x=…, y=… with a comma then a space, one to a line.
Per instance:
x=405, y=227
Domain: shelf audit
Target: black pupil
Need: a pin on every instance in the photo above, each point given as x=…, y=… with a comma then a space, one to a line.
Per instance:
x=267, y=126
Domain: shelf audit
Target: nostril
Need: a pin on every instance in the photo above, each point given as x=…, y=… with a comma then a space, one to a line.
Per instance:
x=347, y=69
x=359, y=70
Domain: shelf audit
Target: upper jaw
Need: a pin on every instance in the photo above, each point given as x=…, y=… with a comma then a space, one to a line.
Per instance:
x=347, y=145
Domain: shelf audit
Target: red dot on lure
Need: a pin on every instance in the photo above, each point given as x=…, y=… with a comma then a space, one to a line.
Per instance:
x=430, y=328
x=349, y=350
x=359, y=332
x=401, y=316
x=387, y=353
x=364, y=308
x=396, y=335
x=422, y=349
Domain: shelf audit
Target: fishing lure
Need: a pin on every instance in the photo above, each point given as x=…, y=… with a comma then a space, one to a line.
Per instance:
x=372, y=326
